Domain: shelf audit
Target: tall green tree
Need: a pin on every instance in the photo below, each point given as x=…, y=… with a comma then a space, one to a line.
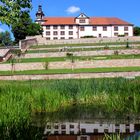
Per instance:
x=136, y=31
x=5, y=39
x=25, y=27
x=10, y=10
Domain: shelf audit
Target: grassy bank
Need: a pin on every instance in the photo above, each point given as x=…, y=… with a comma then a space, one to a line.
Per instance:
x=36, y=96
x=76, y=58
x=68, y=71
x=84, y=44
x=45, y=50
x=64, y=98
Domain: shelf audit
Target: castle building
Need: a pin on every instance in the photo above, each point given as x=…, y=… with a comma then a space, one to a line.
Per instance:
x=82, y=26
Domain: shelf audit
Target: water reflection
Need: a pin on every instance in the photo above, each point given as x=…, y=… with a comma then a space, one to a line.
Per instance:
x=87, y=130
x=87, y=123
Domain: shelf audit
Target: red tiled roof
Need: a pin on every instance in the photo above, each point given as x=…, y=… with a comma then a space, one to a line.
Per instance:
x=93, y=21
x=107, y=21
x=59, y=21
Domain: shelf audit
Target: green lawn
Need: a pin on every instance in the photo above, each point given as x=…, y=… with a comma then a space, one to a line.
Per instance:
x=83, y=58
x=77, y=49
x=66, y=71
x=83, y=44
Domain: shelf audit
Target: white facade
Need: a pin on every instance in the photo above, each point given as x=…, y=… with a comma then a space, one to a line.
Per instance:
x=82, y=26
x=66, y=33
x=88, y=31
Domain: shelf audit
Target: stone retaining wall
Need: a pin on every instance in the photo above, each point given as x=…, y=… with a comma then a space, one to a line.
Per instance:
x=81, y=53
x=72, y=76
x=39, y=40
x=43, y=41
x=69, y=65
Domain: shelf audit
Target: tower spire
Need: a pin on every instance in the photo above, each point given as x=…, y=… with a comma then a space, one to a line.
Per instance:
x=39, y=13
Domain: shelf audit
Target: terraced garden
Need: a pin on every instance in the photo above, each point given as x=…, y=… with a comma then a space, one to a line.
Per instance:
x=75, y=59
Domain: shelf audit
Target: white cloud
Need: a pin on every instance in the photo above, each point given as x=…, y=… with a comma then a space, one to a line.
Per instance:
x=73, y=9
x=1, y=30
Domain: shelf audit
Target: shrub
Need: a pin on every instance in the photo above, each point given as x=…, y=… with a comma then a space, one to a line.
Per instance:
x=116, y=52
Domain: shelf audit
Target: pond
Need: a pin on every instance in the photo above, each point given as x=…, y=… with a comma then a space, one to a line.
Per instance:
x=86, y=127
x=27, y=107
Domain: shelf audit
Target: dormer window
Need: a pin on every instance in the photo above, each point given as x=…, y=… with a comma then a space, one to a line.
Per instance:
x=82, y=21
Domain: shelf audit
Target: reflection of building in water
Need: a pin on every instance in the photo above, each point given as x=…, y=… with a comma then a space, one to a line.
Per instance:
x=84, y=131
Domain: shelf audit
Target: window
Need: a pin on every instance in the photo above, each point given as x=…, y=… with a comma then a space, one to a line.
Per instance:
x=83, y=130
x=71, y=126
x=48, y=126
x=70, y=37
x=63, y=126
x=70, y=27
x=47, y=27
x=62, y=38
x=70, y=32
x=95, y=131
x=82, y=21
x=55, y=33
x=106, y=130
x=56, y=132
x=94, y=28
x=117, y=131
x=56, y=126
x=47, y=38
x=104, y=28
x=62, y=33
x=48, y=133
x=47, y=33
x=115, y=34
x=72, y=132
x=55, y=38
x=62, y=27
x=82, y=28
x=127, y=130
x=63, y=132
x=116, y=28
x=126, y=28
x=126, y=34
x=54, y=27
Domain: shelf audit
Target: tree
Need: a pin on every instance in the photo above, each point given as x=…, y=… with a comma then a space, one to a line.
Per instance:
x=5, y=39
x=19, y=28
x=10, y=10
x=34, y=29
x=136, y=31
x=25, y=27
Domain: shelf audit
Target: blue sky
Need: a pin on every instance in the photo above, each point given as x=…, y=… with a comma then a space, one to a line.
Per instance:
x=127, y=10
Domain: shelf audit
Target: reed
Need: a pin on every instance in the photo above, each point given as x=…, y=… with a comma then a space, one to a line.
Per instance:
x=21, y=99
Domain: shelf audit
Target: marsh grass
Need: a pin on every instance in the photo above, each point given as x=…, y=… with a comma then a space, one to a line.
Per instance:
x=66, y=98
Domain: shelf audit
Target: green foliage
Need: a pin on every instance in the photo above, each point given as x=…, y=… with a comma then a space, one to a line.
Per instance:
x=46, y=65
x=121, y=35
x=25, y=27
x=89, y=36
x=136, y=31
x=5, y=39
x=21, y=99
x=10, y=10
x=34, y=29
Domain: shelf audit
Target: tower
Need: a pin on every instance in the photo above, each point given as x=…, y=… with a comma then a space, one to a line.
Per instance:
x=39, y=14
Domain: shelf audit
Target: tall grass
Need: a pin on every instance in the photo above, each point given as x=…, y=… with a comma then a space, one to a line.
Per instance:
x=19, y=100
